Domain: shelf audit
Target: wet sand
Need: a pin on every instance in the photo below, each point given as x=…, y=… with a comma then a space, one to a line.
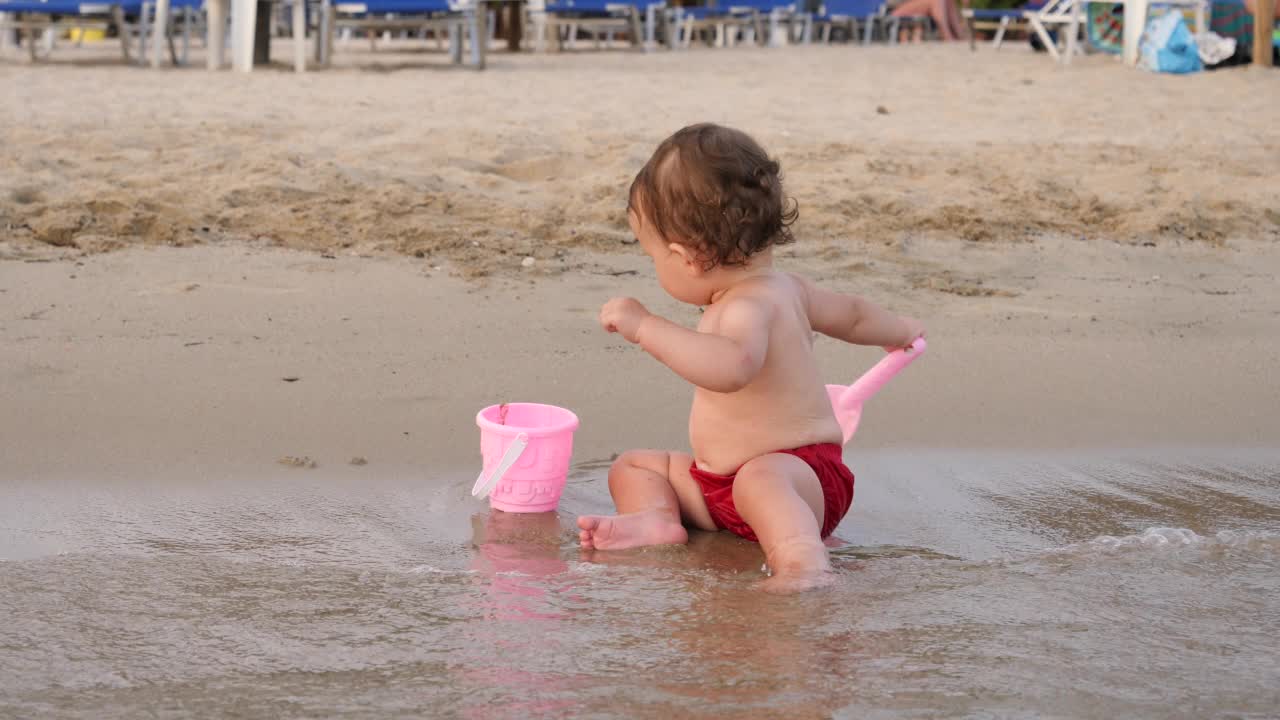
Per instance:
x=156, y=361
x=1070, y=584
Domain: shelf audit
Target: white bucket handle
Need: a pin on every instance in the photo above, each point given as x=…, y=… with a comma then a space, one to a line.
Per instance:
x=484, y=486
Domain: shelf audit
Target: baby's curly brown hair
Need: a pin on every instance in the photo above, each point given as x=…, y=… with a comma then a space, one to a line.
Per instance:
x=714, y=189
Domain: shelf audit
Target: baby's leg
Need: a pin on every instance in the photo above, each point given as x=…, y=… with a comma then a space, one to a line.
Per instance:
x=653, y=492
x=780, y=497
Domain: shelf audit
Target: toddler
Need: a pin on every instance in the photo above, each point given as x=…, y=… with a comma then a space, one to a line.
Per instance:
x=767, y=465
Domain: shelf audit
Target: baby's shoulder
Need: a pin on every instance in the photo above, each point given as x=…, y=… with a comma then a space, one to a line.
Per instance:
x=782, y=291
x=777, y=286
x=760, y=299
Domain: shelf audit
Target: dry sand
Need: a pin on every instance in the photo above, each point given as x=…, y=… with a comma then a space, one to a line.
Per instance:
x=1094, y=250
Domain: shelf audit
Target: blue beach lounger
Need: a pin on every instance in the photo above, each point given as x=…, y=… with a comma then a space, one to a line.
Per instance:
x=40, y=21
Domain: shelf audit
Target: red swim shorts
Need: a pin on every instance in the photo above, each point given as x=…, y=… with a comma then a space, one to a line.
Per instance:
x=827, y=461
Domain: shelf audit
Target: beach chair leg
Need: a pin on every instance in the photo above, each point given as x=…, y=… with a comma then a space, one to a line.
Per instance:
x=144, y=34
x=216, y=34
x=1135, y=22
x=650, y=26
x=173, y=49
x=322, y=29
x=455, y=42
x=244, y=18
x=555, y=36
x=188, y=20
x=479, y=35
x=299, y=35
x=159, y=31
x=635, y=27
x=1043, y=34
x=998, y=40
x=117, y=19
x=331, y=27
x=538, y=27
x=1073, y=32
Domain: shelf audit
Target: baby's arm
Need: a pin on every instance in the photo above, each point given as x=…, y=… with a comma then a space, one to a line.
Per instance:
x=857, y=320
x=723, y=360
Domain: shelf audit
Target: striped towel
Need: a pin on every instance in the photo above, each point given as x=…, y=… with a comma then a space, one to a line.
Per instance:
x=1229, y=18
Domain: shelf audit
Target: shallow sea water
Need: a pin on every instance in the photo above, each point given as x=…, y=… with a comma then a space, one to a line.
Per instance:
x=979, y=584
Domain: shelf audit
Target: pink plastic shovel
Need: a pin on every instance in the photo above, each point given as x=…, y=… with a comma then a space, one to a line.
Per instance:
x=847, y=399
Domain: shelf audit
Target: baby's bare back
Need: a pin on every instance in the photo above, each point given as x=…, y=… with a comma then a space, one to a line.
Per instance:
x=785, y=406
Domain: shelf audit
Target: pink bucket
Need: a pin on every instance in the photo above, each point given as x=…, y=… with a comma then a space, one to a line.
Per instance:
x=526, y=449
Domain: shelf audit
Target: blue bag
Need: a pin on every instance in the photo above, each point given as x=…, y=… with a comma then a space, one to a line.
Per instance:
x=1167, y=46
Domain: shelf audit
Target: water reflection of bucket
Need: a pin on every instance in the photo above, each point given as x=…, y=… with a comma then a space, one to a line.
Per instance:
x=526, y=449
x=520, y=554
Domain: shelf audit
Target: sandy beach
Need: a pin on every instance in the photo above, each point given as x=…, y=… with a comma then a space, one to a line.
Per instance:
x=246, y=323
x=1091, y=271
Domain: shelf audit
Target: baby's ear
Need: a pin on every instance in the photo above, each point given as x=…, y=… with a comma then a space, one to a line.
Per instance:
x=688, y=257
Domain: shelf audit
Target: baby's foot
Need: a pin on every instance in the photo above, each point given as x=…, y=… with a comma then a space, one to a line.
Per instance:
x=798, y=565
x=619, y=532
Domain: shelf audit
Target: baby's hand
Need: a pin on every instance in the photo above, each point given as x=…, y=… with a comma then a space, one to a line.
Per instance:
x=623, y=316
x=915, y=330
